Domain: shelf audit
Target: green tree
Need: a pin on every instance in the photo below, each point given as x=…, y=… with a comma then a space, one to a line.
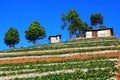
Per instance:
x=72, y=20
x=85, y=27
x=35, y=32
x=96, y=18
x=90, y=28
x=11, y=37
x=103, y=27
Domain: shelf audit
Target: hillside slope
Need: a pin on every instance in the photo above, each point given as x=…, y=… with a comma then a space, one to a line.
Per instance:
x=84, y=59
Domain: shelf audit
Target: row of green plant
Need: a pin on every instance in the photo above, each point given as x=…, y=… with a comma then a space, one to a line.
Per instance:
x=77, y=75
x=80, y=43
x=51, y=47
x=79, y=64
x=94, y=39
x=32, y=66
x=86, y=40
x=64, y=44
x=39, y=69
x=85, y=43
x=90, y=64
x=58, y=53
x=59, y=61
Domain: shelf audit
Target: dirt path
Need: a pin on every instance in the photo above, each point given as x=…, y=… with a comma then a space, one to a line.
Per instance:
x=80, y=56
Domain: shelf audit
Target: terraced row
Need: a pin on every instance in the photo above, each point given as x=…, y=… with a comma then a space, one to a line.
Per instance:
x=71, y=44
x=61, y=51
x=63, y=61
x=78, y=68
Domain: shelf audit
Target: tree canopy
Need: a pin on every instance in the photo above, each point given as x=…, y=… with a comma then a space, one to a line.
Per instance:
x=35, y=32
x=72, y=20
x=11, y=37
x=90, y=28
x=103, y=27
x=96, y=18
x=84, y=27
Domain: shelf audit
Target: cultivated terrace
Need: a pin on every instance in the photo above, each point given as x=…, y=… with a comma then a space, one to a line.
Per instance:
x=82, y=59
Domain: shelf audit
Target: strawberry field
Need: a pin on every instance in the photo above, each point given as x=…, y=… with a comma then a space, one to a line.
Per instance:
x=85, y=59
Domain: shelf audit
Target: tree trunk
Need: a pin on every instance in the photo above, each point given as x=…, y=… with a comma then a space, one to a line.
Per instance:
x=70, y=35
x=11, y=46
x=34, y=42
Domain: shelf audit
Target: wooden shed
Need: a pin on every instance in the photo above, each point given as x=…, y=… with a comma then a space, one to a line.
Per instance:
x=96, y=33
x=55, y=39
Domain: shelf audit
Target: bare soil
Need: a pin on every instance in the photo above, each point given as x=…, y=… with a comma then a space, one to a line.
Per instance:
x=59, y=50
x=80, y=56
x=118, y=40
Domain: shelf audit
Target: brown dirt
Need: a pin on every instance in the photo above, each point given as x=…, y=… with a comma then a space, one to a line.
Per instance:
x=118, y=40
x=118, y=76
x=67, y=50
x=81, y=56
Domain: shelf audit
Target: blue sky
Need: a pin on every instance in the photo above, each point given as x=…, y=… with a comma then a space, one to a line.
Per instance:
x=21, y=13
